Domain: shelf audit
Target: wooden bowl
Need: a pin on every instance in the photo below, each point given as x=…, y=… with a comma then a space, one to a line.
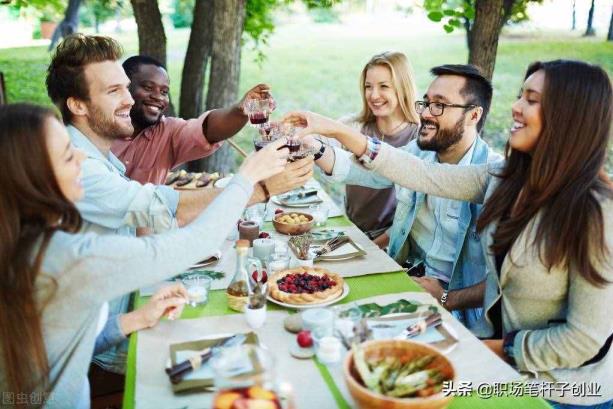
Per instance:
x=404, y=350
x=292, y=229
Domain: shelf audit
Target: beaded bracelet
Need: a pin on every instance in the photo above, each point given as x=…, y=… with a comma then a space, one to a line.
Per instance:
x=373, y=146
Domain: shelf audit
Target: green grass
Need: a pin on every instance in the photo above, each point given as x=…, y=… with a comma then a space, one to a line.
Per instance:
x=316, y=67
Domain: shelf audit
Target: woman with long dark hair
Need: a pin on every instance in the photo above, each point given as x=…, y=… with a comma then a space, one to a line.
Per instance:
x=546, y=226
x=54, y=281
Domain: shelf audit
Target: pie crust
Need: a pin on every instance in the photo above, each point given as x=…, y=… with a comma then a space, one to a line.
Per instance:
x=305, y=297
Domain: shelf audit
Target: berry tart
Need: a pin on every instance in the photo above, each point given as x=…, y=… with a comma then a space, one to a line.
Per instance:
x=305, y=285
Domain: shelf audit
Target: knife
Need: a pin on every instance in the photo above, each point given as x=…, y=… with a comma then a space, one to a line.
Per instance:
x=178, y=371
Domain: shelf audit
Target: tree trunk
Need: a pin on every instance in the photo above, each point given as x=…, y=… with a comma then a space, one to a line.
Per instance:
x=589, y=31
x=229, y=19
x=489, y=19
x=196, y=58
x=151, y=35
x=68, y=25
x=610, y=33
x=574, y=26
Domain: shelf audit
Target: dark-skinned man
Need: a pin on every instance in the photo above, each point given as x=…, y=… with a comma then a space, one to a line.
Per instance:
x=160, y=143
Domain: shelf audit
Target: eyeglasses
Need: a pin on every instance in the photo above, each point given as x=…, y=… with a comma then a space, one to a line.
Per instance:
x=437, y=108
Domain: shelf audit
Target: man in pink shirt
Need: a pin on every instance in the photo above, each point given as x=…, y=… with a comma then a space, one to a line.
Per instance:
x=160, y=143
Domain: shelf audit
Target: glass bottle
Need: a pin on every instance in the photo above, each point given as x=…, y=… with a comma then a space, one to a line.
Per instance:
x=238, y=290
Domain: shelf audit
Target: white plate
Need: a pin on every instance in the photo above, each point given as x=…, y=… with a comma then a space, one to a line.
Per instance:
x=344, y=294
x=312, y=201
x=223, y=182
x=438, y=345
x=342, y=253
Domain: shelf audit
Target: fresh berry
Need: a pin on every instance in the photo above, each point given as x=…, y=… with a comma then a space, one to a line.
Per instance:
x=304, y=339
x=278, y=211
x=264, y=235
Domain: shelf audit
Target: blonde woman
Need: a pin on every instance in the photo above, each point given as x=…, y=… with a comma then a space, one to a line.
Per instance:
x=388, y=112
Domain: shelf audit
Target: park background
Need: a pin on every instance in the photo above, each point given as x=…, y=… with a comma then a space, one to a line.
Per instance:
x=312, y=56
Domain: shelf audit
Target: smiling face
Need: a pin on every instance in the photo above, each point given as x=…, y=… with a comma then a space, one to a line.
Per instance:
x=65, y=160
x=527, y=114
x=109, y=102
x=438, y=133
x=149, y=88
x=380, y=93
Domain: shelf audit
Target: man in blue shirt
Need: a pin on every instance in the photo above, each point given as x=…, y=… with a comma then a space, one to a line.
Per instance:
x=434, y=237
x=87, y=83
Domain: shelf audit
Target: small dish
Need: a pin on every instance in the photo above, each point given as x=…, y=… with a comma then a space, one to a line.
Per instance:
x=292, y=229
x=297, y=203
x=325, y=234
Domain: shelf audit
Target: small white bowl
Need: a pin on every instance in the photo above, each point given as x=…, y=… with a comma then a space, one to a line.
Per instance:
x=255, y=317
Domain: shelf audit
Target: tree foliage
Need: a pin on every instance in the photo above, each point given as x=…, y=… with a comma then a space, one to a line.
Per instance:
x=454, y=14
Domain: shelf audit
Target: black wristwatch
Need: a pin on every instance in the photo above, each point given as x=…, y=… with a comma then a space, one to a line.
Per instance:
x=321, y=151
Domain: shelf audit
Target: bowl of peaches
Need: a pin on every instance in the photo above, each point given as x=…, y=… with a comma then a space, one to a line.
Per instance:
x=292, y=223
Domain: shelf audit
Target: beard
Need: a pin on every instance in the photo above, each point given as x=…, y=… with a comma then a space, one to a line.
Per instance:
x=140, y=119
x=105, y=125
x=443, y=138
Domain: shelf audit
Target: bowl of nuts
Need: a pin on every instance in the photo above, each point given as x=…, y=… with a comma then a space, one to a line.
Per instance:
x=292, y=223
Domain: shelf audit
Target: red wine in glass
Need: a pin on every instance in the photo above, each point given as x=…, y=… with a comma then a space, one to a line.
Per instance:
x=292, y=145
x=258, y=118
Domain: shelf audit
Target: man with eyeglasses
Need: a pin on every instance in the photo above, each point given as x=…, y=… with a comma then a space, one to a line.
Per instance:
x=436, y=238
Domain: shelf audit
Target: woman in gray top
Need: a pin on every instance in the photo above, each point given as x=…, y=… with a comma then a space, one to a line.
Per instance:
x=54, y=281
x=546, y=226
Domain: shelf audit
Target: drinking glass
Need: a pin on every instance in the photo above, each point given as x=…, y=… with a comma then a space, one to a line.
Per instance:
x=281, y=248
x=197, y=286
x=320, y=214
x=278, y=262
x=258, y=111
x=256, y=214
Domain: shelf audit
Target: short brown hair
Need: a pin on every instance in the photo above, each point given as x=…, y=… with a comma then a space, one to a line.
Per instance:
x=66, y=73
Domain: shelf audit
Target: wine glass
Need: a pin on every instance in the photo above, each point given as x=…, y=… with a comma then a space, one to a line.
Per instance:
x=258, y=111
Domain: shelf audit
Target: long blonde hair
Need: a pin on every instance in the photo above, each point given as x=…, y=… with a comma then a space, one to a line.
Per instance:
x=404, y=84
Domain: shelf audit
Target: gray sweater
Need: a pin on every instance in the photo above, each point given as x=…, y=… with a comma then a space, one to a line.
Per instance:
x=90, y=269
x=563, y=320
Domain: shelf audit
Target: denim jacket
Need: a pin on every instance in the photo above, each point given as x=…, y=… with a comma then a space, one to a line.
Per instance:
x=469, y=267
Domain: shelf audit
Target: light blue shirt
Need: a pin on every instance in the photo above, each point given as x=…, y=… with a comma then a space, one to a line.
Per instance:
x=114, y=204
x=434, y=232
x=469, y=267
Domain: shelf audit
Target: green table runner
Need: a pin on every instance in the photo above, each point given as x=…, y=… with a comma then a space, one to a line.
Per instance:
x=361, y=287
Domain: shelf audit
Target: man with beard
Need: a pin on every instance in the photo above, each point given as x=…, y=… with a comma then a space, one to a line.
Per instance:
x=90, y=88
x=161, y=143
x=435, y=238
